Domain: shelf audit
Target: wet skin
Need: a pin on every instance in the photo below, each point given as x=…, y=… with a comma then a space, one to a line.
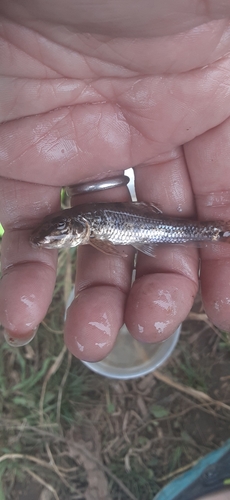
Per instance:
x=78, y=100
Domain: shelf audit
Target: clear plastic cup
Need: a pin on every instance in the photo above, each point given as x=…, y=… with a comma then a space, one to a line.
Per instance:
x=130, y=358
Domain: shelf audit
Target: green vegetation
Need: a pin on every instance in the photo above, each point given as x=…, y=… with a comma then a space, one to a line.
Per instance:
x=225, y=342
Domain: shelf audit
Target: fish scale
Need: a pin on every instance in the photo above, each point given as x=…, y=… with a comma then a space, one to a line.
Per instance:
x=105, y=225
x=127, y=229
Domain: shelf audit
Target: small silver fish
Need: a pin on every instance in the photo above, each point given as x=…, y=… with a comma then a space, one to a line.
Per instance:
x=105, y=225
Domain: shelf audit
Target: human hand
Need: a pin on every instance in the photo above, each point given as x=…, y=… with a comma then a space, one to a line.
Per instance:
x=78, y=106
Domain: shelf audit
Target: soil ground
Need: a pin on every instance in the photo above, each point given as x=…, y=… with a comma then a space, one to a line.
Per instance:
x=146, y=427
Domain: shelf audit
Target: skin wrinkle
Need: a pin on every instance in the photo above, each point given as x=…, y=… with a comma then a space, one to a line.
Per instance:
x=94, y=121
x=113, y=68
x=11, y=217
x=126, y=106
x=20, y=223
x=36, y=141
x=53, y=128
x=11, y=267
x=129, y=60
x=177, y=272
x=20, y=156
x=66, y=147
x=95, y=284
x=87, y=60
x=23, y=50
x=168, y=156
x=91, y=60
x=126, y=61
x=139, y=132
x=226, y=87
x=82, y=286
x=53, y=122
x=151, y=119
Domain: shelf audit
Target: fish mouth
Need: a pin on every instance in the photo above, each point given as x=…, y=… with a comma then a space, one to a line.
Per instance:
x=51, y=242
x=42, y=239
x=38, y=243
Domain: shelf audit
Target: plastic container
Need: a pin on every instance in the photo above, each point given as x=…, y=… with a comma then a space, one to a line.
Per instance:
x=130, y=358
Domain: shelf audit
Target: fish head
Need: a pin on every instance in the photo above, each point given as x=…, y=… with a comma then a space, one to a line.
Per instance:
x=60, y=232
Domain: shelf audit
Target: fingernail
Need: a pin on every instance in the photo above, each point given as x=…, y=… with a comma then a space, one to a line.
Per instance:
x=19, y=341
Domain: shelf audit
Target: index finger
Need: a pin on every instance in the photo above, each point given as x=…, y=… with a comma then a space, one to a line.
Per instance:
x=28, y=274
x=208, y=163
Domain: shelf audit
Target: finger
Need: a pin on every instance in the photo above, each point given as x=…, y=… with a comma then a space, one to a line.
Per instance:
x=208, y=162
x=76, y=142
x=28, y=274
x=66, y=146
x=117, y=19
x=164, y=290
x=40, y=89
x=102, y=283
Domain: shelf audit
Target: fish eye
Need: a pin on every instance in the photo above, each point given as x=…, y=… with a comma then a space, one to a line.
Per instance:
x=61, y=226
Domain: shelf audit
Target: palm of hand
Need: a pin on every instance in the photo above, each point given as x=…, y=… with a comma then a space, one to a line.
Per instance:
x=78, y=106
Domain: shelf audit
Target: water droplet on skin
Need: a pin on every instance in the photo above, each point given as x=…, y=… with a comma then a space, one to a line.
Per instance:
x=168, y=304
x=179, y=208
x=8, y=319
x=103, y=326
x=160, y=326
x=27, y=300
x=100, y=344
x=218, y=305
x=140, y=328
x=80, y=347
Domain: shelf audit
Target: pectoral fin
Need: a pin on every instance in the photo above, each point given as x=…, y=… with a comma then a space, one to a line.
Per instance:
x=107, y=247
x=146, y=248
x=148, y=206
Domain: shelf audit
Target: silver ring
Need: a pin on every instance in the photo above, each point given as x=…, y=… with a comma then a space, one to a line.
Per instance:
x=92, y=186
